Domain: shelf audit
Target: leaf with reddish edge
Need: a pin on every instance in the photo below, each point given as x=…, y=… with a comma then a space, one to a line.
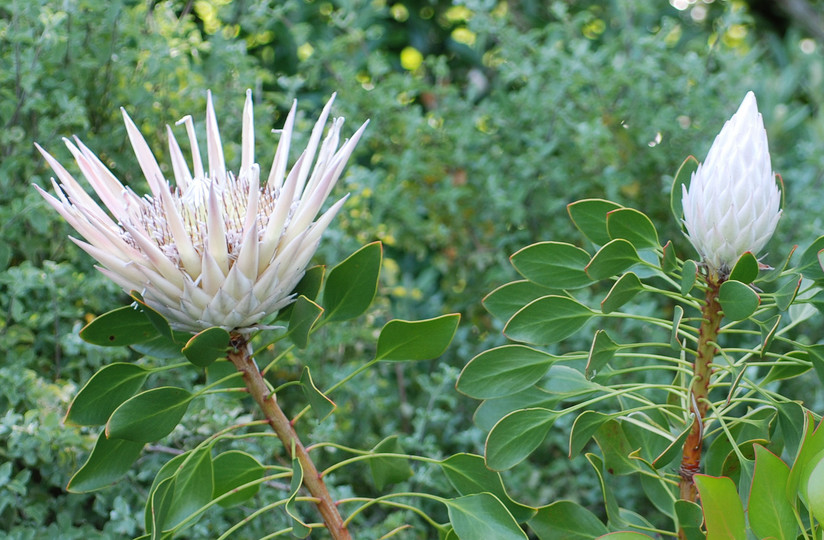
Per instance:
x=746, y=269
x=723, y=513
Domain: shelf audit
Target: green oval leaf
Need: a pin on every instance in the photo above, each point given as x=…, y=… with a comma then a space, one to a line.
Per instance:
x=613, y=258
x=634, y=227
x=468, y=474
x=507, y=299
x=207, y=346
x=622, y=291
x=517, y=435
x=482, y=516
x=746, y=269
x=688, y=276
x=123, y=326
x=556, y=265
x=723, y=512
x=738, y=301
x=104, y=392
x=770, y=516
x=547, y=320
x=590, y=217
x=566, y=520
x=150, y=415
x=110, y=459
x=503, y=371
x=352, y=284
x=233, y=469
x=416, y=340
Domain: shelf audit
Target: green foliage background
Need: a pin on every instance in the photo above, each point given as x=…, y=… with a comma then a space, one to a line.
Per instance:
x=488, y=118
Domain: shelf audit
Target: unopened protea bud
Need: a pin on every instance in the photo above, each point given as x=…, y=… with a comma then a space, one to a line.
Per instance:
x=732, y=204
x=218, y=249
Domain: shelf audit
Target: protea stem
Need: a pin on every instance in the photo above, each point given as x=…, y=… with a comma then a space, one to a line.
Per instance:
x=282, y=426
x=702, y=370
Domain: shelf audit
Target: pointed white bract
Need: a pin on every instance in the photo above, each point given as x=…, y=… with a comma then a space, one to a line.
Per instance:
x=732, y=204
x=217, y=248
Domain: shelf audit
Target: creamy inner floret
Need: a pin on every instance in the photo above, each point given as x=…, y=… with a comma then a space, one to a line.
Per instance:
x=192, y=205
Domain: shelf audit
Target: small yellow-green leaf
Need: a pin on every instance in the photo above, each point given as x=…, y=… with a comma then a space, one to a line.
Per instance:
x=633, y=226
x=556, y=265
x=109, y=460
x=150, y=415
x=352, y=284
x=104, y=392
x=416, y=340
x=613, y=258
x=622, y=291
x=503, y=371
x=746, y=269
x=207, y=346
x=516, y=436
x=590, y=217
x=723, y=513
x=738, y=301
x=547, y=320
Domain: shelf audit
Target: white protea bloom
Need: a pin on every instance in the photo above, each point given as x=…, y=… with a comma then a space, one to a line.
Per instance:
x=218, y=249
x=732, y=204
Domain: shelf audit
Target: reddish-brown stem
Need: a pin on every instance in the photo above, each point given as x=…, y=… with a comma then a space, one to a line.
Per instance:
x=702, y=370
x=267, y=403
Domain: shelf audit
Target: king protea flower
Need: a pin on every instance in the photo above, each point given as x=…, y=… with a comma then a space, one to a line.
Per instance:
x=732, y=204
x=218, y=248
